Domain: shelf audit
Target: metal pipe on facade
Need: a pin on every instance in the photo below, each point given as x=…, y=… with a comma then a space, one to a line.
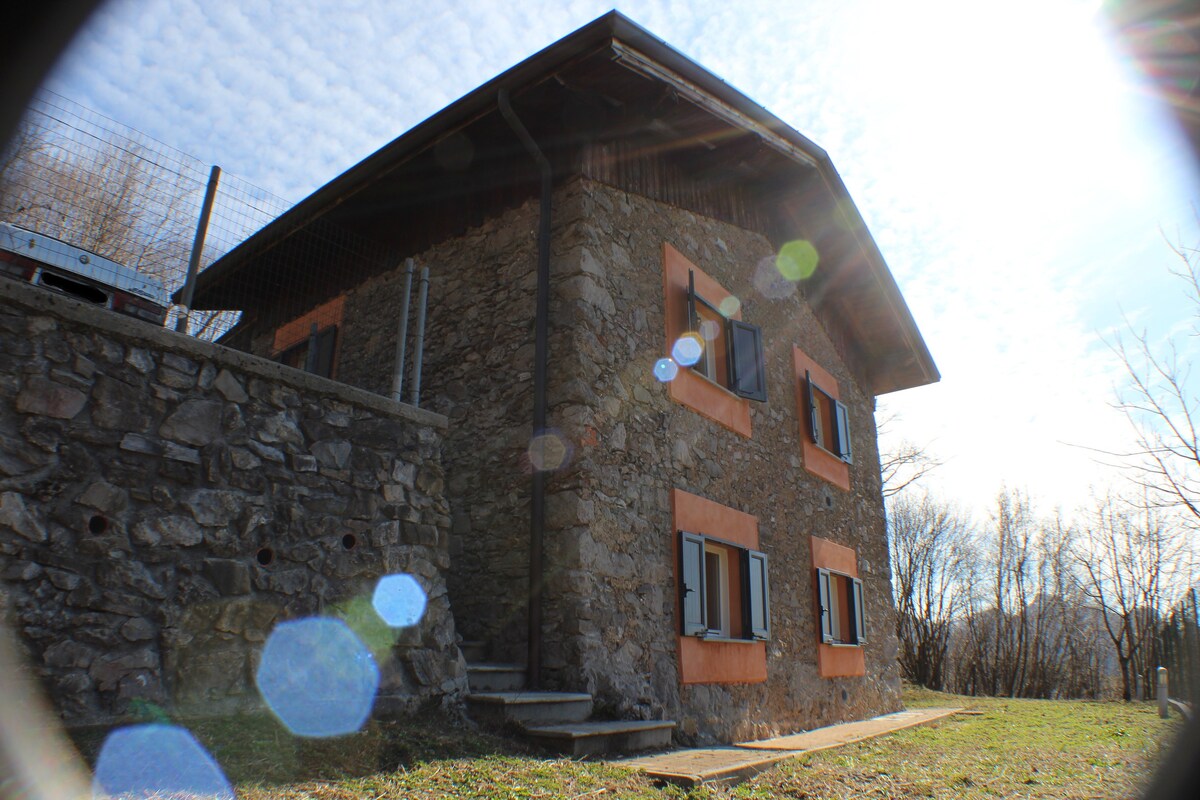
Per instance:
x=189, y=285
x=419, y=355
x=537, y=500
x=402, y=335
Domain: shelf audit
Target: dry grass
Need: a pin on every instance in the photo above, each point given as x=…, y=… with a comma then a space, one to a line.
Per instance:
x=1015, y=748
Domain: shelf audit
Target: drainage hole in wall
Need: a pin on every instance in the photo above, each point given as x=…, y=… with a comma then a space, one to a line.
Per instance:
x=97, y=524
x=349, y=541
x=265, y=556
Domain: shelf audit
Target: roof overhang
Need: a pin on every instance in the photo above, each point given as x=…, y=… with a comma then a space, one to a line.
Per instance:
x=614, y=52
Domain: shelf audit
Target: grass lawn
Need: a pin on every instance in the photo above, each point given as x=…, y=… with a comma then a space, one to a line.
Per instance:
x=1014, y=748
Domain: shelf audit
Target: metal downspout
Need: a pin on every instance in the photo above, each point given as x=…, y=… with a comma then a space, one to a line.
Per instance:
x=537, y=504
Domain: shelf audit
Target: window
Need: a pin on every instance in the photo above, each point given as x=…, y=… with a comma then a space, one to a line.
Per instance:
x=725, y=589
x=731, y=350
x=828, y=421
x=843, y=618
x=314, y=354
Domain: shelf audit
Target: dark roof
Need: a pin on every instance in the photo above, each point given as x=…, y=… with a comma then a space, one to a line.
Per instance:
x=610, y=76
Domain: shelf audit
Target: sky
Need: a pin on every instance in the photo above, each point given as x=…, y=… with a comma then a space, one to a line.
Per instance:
x=1023, y=189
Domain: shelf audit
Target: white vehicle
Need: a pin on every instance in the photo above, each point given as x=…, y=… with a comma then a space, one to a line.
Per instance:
x=54, y=264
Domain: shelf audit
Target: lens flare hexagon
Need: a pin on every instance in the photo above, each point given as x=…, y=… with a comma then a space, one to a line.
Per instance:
x=317, y=677
x=665, y=370
x=797, y=260
x=729, y=307
x=399, y=600
x=688, y=349
x=769, y=283
x=157, y=760
x=549, y=451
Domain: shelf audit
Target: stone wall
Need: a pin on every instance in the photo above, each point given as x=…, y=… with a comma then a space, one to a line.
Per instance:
x=164, y=502
x=612, y=618
x=610, y=622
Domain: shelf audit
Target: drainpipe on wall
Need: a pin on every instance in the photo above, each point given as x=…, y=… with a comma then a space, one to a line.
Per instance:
x=537, y=501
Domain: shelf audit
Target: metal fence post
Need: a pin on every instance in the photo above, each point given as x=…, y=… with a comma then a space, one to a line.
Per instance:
x=402, y=335
x=419, y=355
x=1162, y=692
x=189, y=285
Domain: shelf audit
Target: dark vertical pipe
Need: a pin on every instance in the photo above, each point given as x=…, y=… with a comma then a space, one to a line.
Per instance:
x=537, y=501
x=189, y=285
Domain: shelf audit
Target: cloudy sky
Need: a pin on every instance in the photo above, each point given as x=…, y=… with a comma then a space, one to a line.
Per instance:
x=1021, y=187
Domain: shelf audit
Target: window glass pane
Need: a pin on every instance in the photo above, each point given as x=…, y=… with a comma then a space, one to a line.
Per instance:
x=714, y=602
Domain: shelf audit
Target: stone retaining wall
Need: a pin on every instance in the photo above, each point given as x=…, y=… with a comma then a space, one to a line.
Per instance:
x=164, y=502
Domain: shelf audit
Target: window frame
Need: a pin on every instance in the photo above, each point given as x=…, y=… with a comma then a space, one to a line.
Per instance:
x=753, y=602
x=832, y=606
x=841, y=446
x=320, y=352
x=744, y=363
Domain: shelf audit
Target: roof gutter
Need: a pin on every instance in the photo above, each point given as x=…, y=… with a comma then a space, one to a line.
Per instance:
x=537, y=502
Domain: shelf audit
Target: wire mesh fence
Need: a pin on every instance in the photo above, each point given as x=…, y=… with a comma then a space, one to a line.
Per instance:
x=101, y=211
x=118, y=211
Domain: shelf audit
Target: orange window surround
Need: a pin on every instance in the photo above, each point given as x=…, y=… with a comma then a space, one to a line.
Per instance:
x=835, y=661
x=299, y=329
x=703, y=661
x=692, y=390
x=816, y=459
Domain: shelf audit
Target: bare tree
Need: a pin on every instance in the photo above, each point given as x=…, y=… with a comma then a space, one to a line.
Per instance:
x=905, y=464
x=105, y=196
x=929, y=552
x=1163, y=410
x=1128, y=556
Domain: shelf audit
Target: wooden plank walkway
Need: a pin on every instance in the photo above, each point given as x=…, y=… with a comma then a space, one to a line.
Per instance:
x=738, y=762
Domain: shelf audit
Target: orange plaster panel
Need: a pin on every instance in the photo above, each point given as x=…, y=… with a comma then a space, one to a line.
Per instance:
x=835, y=661
x=701, y=660
x=696, y=514
x=695, y=391
x=833, y=556
x=298, y=329
x=817, y=460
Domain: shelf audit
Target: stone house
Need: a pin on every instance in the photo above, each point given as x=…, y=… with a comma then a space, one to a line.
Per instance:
x=657, y=326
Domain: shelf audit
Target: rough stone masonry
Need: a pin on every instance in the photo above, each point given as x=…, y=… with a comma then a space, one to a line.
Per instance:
x=165, y=501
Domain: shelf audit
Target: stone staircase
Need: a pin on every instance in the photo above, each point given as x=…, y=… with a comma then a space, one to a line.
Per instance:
x=556, y=721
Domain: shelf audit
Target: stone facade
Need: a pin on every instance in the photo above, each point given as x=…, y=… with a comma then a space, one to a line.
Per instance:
x=164, y=502
x=611, y=622
x=615, y=608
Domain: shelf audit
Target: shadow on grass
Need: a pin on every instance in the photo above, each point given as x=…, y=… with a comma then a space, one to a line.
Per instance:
x=256, y=748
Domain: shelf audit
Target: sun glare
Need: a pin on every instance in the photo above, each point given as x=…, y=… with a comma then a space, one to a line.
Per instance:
x=1023, y=107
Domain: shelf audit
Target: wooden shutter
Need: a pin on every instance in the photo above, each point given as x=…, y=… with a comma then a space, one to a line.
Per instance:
x=758, y=595
x=326, y=342
x=691, y=583
x=859, y=615
x=814, y=422
x=825, y=598
x=747, y=368
x=842, y=418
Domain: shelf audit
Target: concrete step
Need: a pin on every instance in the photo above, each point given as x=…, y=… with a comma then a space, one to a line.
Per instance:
x=495, y=677
x=473, y=650
x=600, y=738
x=529, y=708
